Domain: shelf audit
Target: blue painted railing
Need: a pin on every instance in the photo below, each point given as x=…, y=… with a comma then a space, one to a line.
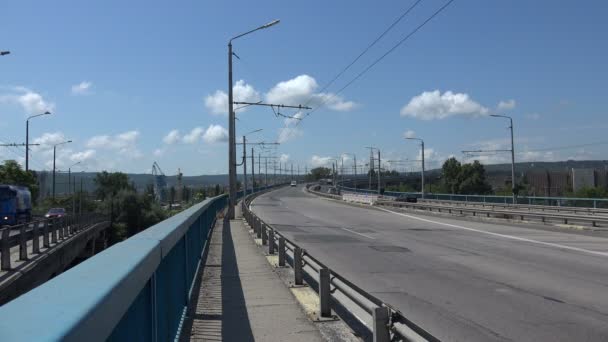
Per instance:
x=137, y=290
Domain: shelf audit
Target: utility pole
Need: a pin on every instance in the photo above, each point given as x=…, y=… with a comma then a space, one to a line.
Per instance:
x=512, y=154
x=245, y=164
x=252, y=171
x=266, y=172
x=27, y=139
x=231, y=125
x=422, y=150
x=379, y=172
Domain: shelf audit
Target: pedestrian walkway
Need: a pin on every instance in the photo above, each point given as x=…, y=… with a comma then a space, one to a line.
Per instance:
x=241, y=298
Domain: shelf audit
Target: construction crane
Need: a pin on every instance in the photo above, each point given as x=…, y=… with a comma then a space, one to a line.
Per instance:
x=160, y=183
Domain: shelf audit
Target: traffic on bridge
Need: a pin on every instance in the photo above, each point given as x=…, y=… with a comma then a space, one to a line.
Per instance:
x=422, y=170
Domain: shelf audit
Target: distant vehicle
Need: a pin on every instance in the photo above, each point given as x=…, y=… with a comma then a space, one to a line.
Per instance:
x=15, y=205
x=407, y=198
x=293, y=183
x=55, y=213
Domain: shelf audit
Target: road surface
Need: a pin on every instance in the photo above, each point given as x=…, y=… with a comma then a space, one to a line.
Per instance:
x=461, y=280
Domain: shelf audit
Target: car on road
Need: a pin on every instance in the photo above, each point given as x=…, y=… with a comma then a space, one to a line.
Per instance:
x=407, y=198
x=55, y=213
x=293, y=183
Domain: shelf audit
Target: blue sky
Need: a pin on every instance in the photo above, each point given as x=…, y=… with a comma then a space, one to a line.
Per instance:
x=120, y=76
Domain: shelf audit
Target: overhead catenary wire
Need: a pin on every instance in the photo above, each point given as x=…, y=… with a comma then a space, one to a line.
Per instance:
x=369, y=67
x=394, y=23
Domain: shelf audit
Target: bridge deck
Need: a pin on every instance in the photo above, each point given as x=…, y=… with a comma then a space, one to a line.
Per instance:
x=241, y=298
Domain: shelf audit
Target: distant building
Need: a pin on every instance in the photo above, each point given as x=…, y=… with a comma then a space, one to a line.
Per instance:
x=583, y=178
x=548, y=183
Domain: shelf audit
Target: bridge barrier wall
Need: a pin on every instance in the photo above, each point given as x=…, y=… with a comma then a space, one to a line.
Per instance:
x=137, y=289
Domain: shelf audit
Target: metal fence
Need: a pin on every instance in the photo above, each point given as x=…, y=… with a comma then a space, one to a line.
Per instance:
x=383, y=319
x=51, y=231
x=528, y=200
x=136, y=290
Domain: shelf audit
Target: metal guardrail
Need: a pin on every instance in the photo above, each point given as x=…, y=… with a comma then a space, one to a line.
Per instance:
x=542, y=208
x=52, y=231
x=137, y=289
x=529, y=200
x=386, y=320
x=504, y=214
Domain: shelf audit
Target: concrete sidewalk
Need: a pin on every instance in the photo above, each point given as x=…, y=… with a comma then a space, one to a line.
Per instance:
x=241, y=298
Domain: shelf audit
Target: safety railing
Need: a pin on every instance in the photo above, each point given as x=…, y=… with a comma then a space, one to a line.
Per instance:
x=527, y=200
x=512, y=214
x=385, y=322
x=138, y=289
x=38, y=237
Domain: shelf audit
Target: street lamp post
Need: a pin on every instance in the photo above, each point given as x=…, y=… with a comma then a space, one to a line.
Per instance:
x=245, y=157
x=231, y=124
x=74, y=187
x=2, y=53
x=27, y=139
x=54, y=158
x=512, y=154
x=355, y=166
x=422, y=146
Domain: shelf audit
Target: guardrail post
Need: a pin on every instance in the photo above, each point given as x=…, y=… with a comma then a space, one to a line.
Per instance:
x=258, y=227
x=6, y=249
x=297, y=265
x=380, y=324
x=36, y=238
x=264, y=234
x=59, y=228
x=324, y=292
x=22, y=243
x=271, y=241
x=45, y=234
x=54, y=232
x=282, y=251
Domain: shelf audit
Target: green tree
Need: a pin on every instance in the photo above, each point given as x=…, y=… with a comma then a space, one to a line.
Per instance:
x=472, y=179
x=12, y=173
x=450, y=174
x=217, y=189
x=319, y=173
x=109, y=184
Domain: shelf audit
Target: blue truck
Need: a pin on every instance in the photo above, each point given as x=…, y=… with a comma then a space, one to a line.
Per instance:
x=15, y=205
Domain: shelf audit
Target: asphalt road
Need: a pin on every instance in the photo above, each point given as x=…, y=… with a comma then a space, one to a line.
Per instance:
x=461, y=280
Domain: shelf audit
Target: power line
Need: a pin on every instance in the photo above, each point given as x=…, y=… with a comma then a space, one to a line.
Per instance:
x=409, y=35
x=567, y=147
x=367, y=48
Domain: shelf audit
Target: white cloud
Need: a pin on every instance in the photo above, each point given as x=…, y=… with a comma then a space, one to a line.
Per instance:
x=301, y=90
x=195, y=135
x=159, y=152
x=47, y=140
x=217, y=103
x=409, y=134
x=171, y=137
x=317, y=161
x=123, y=143
x=506, y=105
x=81, y=88
x=83, y=156
x=284, y=158
x=431, y=105
x=215, y=133
x=288, y=133
x=32, y=102
x=294, y=119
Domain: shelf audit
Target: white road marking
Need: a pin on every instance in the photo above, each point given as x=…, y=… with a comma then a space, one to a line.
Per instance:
x=556, y=245
x=354, y=232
